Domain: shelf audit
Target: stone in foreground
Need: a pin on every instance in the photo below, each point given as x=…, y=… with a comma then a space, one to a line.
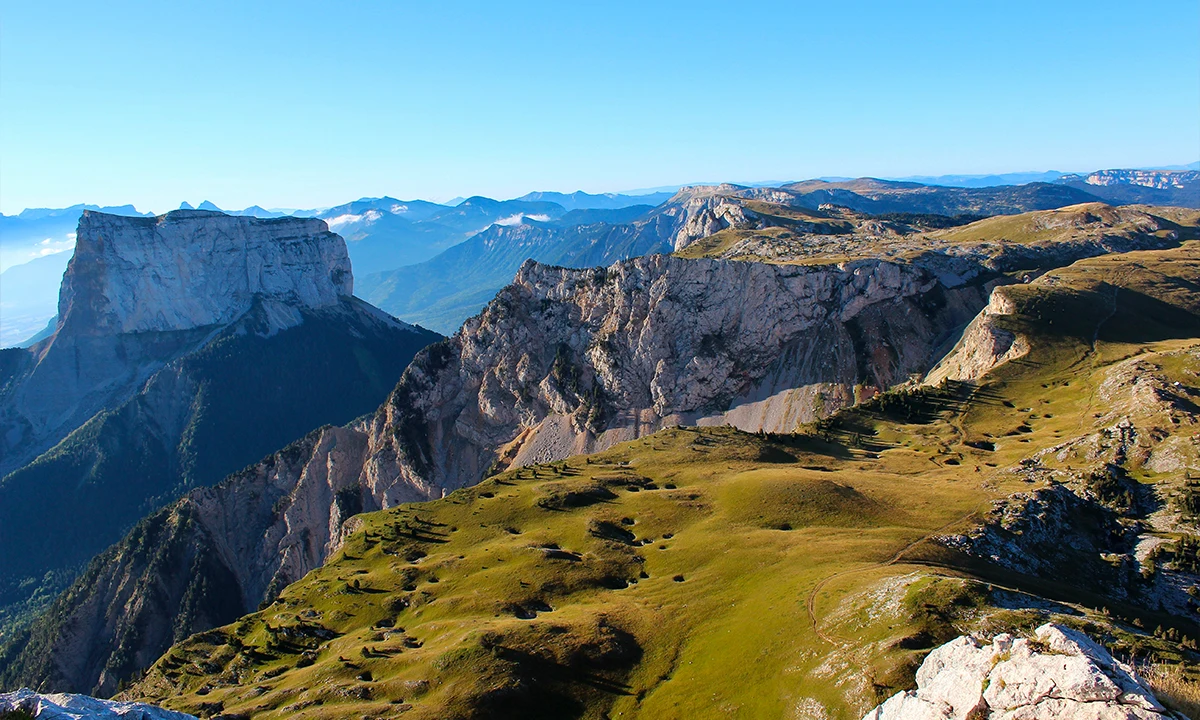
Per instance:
x=1063, y=675
x=64, y=706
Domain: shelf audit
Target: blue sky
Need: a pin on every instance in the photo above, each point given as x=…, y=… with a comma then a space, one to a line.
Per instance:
x=302, y=104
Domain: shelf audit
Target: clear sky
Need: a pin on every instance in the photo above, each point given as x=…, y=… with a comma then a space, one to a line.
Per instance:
x=304, y=104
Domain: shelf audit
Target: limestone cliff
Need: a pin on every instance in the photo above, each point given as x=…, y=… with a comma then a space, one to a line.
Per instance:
x=569, y=361
x=192, y=268
x=984, y=345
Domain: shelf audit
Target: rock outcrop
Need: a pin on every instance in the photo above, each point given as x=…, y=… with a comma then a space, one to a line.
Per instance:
x=703, y=210
x=985, y=345
x=64, y=706
x=1060, y=674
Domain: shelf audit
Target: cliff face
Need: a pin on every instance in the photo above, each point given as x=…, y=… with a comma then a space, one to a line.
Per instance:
x=193, y=268
x=570, y=361
x=1159, y=179
x=700, y=211
x=985, y=345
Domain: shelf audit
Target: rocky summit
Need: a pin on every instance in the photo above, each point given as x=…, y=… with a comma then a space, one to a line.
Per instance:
x=1058, y=673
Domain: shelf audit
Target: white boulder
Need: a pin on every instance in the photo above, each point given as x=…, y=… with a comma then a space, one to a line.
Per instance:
x=1064, y=674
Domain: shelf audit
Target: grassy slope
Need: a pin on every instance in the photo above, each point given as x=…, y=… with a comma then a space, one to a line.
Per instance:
x=745, y=576
x=1068, y=222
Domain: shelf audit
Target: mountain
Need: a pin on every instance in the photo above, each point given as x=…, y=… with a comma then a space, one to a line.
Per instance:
x=580, y=200
x=703, y=567
x=614, y=216
x=978, y=181
x=258, y=212
x=561, y=362
x=476, y=214
x=187, y=346
x=385, y=233
x=252, y=211
x=1151, y=187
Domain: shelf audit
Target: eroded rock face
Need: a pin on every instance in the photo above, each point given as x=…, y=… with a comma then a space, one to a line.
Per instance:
x=1065, y=675
x=192, y=268
x=703, y=210
x=64, y=706
x=984, y=346
x=571, y=361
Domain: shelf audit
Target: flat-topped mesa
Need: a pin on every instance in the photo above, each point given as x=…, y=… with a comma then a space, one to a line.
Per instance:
x=192, y=268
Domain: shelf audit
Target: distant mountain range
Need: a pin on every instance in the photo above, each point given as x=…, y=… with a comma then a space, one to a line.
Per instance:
x=396, y=245
x=580, y=200
x=978, y=181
